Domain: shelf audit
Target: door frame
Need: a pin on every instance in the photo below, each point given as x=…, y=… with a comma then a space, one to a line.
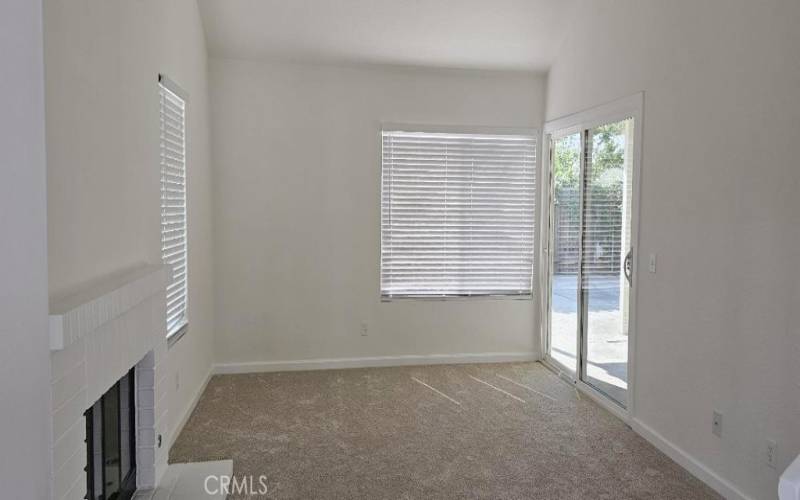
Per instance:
x=627, y=107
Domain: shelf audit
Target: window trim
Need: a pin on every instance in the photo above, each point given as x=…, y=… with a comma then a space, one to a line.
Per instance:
x=177, y=333
x=459, y=129
x=471, y=130
x=173, y=87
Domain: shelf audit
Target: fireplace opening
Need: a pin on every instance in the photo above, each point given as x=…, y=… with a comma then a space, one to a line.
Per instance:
x=111, y=443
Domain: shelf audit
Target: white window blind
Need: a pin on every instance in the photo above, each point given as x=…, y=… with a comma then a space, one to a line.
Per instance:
x=457, y=214
x=173, y=205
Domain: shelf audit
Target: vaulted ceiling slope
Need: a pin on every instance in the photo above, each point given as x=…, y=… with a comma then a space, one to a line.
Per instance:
x=475, y=34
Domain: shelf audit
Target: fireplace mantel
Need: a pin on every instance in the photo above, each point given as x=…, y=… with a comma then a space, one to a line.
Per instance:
x=74, y=315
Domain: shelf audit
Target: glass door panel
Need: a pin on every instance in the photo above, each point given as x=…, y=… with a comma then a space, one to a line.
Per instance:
x=565, y=251
x=111, y=462
x=606, y=244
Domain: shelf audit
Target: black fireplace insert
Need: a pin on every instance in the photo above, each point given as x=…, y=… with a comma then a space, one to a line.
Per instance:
x=111, y=443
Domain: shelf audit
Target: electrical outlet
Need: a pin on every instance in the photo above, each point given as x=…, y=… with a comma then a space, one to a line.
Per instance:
x=652, y=266
x=772, y=453
x=716, y=425
x=364, y=329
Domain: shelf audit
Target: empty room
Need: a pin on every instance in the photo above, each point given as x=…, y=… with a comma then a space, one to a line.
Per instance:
x=399, y=249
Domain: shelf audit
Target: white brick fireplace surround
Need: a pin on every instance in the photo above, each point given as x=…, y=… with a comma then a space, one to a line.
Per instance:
x=96, y=335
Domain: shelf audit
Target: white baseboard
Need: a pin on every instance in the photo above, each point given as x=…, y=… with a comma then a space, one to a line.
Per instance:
x=720, y=485
x=369, y=362
x=187, y=412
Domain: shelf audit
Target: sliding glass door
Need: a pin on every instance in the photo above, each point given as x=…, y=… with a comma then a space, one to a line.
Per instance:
x=590, y=254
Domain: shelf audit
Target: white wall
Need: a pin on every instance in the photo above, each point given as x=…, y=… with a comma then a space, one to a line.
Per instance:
x=296, y=200
x=719, y=324
x=102, y=61
x=24, y=344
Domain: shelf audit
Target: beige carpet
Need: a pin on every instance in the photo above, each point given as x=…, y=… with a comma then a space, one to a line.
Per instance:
x=460, y=431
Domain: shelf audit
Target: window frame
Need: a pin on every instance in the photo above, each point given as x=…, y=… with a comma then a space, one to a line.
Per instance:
x=164, y=81
x=533, y=132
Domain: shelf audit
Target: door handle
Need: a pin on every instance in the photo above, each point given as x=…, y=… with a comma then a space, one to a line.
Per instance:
x=627, y=267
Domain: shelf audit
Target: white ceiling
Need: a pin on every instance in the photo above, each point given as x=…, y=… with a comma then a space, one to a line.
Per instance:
x=486, y=34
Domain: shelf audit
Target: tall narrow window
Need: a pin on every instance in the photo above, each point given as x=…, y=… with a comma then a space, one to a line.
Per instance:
x=457, y=214
x=173, y=203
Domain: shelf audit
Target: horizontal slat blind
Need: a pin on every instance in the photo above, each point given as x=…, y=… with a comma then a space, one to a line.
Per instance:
x=457, y=214
x=173, y=206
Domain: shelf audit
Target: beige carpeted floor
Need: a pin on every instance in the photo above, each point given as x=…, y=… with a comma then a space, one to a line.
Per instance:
x=460, y=431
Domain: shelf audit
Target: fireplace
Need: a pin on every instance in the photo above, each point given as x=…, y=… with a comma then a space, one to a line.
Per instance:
x=108, y=343
x=111, y=443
